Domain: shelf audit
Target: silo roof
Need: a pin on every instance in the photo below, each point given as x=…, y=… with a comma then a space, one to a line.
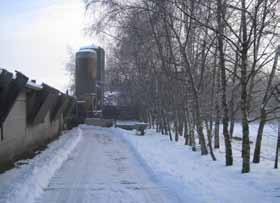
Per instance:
x=87, y=50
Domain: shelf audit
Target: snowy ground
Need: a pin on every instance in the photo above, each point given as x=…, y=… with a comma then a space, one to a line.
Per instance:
x=92, y=164
x=202, y=180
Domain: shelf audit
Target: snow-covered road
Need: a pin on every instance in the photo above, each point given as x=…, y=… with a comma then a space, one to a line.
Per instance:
x=103, y=168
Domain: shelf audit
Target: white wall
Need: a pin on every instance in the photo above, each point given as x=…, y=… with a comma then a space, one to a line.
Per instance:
x=20, y=138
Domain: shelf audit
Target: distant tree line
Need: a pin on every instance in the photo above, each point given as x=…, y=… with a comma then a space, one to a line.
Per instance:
x=195, y=66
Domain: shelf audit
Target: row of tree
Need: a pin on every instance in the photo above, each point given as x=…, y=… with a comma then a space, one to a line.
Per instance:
x=194, y=66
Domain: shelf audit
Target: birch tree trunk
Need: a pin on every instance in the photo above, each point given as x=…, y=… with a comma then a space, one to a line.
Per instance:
x=220, y=16
x=277, y=146
x=244, y=104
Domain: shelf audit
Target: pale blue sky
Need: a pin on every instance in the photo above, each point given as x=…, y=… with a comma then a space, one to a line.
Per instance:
x=35, y=34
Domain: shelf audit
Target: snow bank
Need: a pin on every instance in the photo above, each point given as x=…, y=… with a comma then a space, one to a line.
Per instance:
x=197, y=178
x=26, y=183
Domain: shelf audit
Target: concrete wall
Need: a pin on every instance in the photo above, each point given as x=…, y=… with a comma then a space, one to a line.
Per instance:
x=20, y=138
